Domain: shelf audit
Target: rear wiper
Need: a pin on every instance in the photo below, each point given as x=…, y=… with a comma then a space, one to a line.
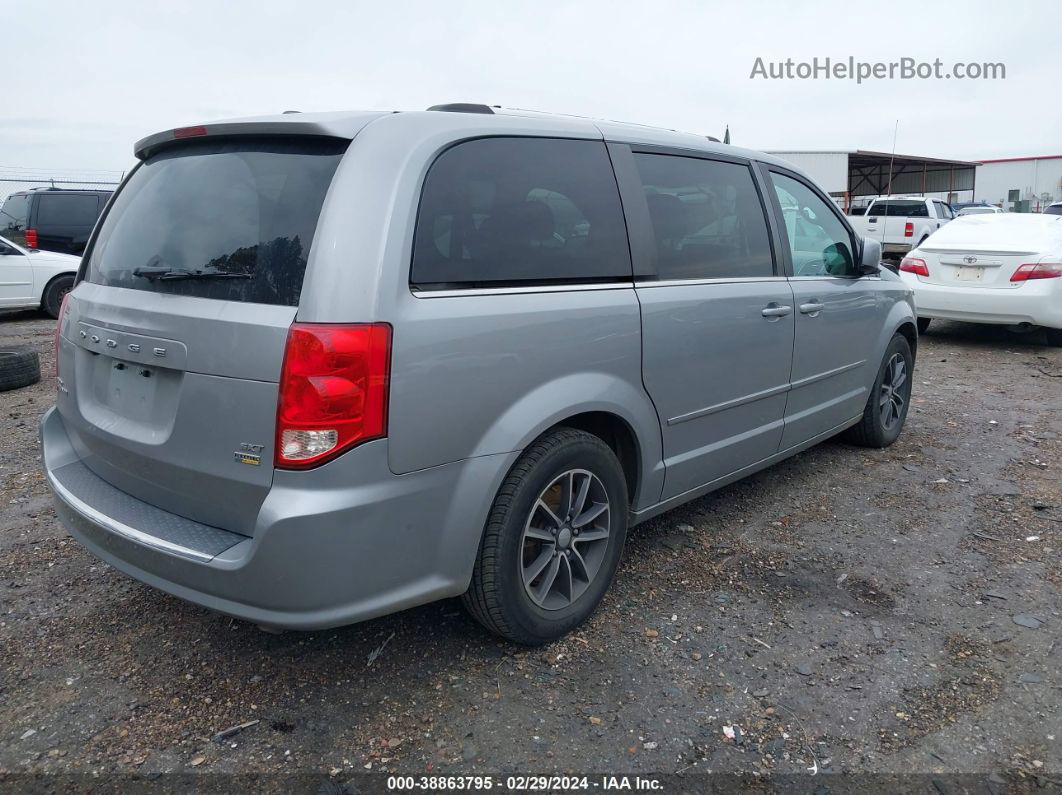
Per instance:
x=171, y=275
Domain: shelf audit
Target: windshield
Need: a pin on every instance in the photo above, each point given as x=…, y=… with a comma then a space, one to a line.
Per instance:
x=245, y=209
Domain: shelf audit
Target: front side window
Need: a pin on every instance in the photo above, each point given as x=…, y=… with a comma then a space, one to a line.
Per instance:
x=518, y=211
x=14, y=217
x=707, y=218
x=820, y=244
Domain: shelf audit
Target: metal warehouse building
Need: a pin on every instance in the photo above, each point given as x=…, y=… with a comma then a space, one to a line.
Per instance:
x=855, y=176
x=1020, y=184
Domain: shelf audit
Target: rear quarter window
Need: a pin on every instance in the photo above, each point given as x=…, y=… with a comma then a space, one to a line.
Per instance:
x=231, y=220
x=518, y=211
x=67, y=209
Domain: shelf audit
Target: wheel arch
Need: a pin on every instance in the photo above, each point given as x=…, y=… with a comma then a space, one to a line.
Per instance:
x=615, y=410
x=910, y=332
x=618, y=434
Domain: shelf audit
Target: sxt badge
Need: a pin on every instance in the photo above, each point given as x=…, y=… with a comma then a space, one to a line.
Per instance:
x=249, y=454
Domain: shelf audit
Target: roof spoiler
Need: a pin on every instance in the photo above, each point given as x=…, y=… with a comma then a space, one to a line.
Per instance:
x=463, y=107
x=146, y=147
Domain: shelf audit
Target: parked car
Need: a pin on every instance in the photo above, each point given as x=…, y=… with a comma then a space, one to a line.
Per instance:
x=30, y=279
x=956, y=206
x=307, y=381
x=980, y=209
x=1055, y=208
x=52, y=219
x=902, y=223
x=991, y=269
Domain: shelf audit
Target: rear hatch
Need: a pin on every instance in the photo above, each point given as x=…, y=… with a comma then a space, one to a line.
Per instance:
x=986, y=250
x=169, y=388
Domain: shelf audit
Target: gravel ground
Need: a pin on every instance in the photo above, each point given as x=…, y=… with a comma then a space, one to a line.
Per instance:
x=847, y=610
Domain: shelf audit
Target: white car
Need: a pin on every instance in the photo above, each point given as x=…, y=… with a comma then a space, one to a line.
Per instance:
x=999, y=268
x=30, y=278
x=1054, y=208
x=980, y=209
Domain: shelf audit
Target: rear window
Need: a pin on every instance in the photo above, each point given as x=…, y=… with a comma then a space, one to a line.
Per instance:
x=67, y=209
x=520, y=211
x=894, y=208
x=228, y=220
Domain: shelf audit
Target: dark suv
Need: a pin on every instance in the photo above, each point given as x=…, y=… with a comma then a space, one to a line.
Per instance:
x=52, y=219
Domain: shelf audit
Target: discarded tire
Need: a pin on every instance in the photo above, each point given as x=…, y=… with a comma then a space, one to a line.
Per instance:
x=19, y=368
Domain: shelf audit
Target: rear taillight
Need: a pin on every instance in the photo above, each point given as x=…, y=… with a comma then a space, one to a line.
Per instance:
x=914, y=265
x=1037, y=270
x=333, y=391
x=59, y=331
x=31, y=238
x=908, y=229
x=189, y=132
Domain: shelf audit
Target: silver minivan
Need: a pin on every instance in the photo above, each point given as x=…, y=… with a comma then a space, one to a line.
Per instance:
x=322, y=367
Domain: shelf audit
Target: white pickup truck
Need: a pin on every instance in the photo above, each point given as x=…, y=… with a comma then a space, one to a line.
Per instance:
x=901, y=223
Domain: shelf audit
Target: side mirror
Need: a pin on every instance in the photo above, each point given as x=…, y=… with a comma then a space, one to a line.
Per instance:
x=870, y=262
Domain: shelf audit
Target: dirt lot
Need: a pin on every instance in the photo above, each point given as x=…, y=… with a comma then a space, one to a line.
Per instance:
x=847, y=610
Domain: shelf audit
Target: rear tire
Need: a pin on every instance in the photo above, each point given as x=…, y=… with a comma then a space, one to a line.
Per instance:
x=55, y=292
x=553, y=539
x=890, y=397
x=19, y=368
x=923, y=324
x=1054, y=336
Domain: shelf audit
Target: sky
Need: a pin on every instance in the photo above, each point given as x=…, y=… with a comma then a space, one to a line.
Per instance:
x=116, y=71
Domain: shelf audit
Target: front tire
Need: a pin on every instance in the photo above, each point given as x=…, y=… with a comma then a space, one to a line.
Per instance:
x=553, y=539
x=55, y=292
x=890, y=398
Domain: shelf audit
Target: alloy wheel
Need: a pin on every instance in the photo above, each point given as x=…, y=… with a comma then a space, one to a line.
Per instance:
x=564, y=539
x=893, y=397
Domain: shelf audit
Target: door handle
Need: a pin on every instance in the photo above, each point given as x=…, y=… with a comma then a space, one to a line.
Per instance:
x=774, y=310
x=812, y=308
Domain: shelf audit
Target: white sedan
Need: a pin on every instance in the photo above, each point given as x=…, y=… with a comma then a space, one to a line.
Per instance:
x=30, y=278
x=1004, y=268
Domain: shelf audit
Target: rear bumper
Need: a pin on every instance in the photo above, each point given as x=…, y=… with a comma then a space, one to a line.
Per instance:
x=896, y=248
x=1036, y=302
x=343, y=543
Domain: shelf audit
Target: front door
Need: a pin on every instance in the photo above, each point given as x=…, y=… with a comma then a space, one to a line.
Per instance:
x=717, y=314
x=838, y=314
x=16, y=277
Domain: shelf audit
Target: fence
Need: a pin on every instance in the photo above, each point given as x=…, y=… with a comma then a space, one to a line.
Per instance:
x=16, y=178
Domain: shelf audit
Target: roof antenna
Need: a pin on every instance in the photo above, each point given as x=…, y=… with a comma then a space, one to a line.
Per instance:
x=888, y=195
